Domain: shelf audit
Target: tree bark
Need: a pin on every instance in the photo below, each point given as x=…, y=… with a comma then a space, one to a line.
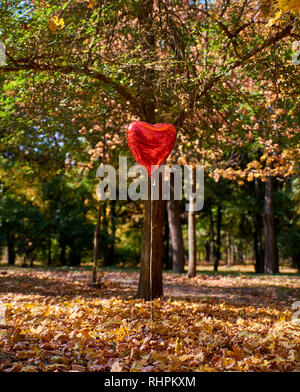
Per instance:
x=271, y=266
x=167, y=258
x=96, y=247
x=105, y=237
x=257, y=234
x=258, y=248
x=113, y=230
x=217, y=253
x=170, y=254
x=173, y=208
x=31, y=259
x=241, y=256
x=192, y=230
x=212, y=235
x=207, y=251
x=150, y=280
x=228, y=250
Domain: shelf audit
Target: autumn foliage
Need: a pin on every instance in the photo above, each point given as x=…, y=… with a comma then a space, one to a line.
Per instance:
x=76, y=73
x=212, y=323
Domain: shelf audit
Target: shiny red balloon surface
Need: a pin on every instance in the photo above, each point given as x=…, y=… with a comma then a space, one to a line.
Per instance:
x=150, y=144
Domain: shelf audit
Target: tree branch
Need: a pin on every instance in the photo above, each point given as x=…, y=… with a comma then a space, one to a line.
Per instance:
x=29, y=65
x=268, y=42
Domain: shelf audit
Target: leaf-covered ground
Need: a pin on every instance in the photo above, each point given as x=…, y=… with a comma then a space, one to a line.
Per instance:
x=55, y=322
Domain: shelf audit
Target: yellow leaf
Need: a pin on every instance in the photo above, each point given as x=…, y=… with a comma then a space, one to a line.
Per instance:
x=56, y=23
x=289, y=5
x=273, y=20
x=177, y=346
x=272, y=345
x=92, y=3
x=184, y=357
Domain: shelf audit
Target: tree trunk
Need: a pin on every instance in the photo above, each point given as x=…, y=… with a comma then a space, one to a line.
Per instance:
x=212, y=235
x=192, y=229
x=232, y=248
x=241, y=257
x=257, y=235
x=207, y=251
x=11, y=248
x=173, y=208
x=24, y=260
x=96, y=247
x=167, y=258
x=113, y=230
x=217, y=255
x=228, y=252
x=271, y=266
x=276, y=254
x=150, y=280
x=105, y=236
x=31, y=259
x=258, y=251
x=170, y=253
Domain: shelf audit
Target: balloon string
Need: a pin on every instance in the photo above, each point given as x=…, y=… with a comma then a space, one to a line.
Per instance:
x=151, y=240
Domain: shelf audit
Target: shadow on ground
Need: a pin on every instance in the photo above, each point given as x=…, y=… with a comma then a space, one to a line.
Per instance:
x=233, y=289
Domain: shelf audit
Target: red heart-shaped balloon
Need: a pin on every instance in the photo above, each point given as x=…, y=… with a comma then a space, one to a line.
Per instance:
x=150, y=144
